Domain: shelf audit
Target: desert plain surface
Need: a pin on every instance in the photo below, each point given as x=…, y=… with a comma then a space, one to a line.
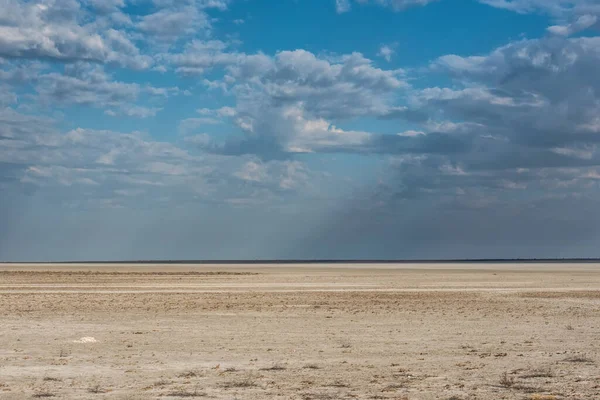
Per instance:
x=381, y=331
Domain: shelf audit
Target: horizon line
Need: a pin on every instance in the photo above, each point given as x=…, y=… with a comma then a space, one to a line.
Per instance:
x=314, y=261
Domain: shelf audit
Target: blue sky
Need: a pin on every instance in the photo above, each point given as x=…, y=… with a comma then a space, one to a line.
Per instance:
x=206, y=129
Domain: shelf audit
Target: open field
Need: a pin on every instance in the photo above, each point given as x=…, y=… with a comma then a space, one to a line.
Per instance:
x=427, y=331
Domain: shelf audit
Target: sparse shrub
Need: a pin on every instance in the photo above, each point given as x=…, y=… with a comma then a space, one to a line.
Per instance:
x=393, y=387
x=506, y=380
x=538, y=373
x=187, y=393
x=338, y=384
x=579, y=359
x=275, y=367
x=311, y=366
x=96, y=389
x=192, y=373
x=241, y=383
x=162, y=382
x=44, y=394
x=527, y=389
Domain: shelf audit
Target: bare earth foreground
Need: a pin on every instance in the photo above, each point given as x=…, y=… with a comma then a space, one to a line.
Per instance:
x=445, y=331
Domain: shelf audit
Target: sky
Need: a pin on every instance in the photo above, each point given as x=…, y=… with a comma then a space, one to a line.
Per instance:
x=299, y=129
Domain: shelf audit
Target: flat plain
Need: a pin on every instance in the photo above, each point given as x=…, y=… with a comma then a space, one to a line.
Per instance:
x=340, y=331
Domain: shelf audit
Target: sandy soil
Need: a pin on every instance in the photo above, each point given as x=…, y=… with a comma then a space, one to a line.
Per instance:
x=494, y=331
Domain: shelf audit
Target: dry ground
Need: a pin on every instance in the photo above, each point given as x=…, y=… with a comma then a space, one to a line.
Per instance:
x=317, y=332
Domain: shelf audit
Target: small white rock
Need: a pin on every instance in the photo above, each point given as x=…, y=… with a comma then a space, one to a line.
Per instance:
x=86, y=339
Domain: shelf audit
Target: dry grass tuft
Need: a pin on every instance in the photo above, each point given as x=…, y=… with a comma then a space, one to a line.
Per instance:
x=579, y=359
x=507, y=381
x=319, y=396
x=528, y=389
x=338, y=384
x=247, y=382
x=393, y=387
x=275, y=367
x=538, y=373
x=311, y=366
x=187, y=393
x=192, y=373
x=96, y=389
x=161, y=382
x=41, y=395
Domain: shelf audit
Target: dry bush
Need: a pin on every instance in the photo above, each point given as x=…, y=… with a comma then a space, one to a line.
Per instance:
x=192, y=373
x=538, y=373
x=311, y=366
x=507, y=381
x=338, y=384
x=275, y=367
x=240, y=383
x=318, y=396
x=187, y=393
x=161, y=382
x=393, y=387
x=579, y=359
x=44, y=394
x=528, y=389
x=96, y=389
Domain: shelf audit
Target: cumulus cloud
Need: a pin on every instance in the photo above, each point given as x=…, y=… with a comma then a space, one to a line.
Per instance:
x=500, y=134
x=170, y=24
x=581, y=23
x=396, y=5
x=90, y=85
x=554, y=7
x=117, y=166
x=525, y=113
x=58, y=30
x=386, y=52
x=574, y=15
x=342, y=6
x=284, y=103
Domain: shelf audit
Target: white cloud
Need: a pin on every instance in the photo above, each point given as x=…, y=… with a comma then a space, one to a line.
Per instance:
x=581, y=23
x=170, y=24
x=386, y=52
x=574, y=15
x=90, y=85
x=58, y=30
x=396, y=5
x=342, y=6
x=135, y=111
x=117, y=166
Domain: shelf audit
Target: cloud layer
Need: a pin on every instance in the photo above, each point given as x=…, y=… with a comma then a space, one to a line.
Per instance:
x=151, y=108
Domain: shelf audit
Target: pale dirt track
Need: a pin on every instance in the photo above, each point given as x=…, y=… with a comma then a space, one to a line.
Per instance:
x=430, y=331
